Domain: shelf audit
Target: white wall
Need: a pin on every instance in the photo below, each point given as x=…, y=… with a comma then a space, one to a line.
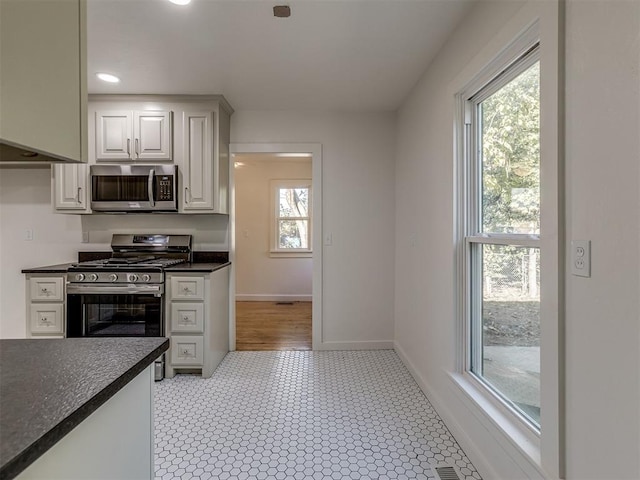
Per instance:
x=259, y=276
x=357, y=209
x=602, y=184
x=25, y=203
x=603, y=205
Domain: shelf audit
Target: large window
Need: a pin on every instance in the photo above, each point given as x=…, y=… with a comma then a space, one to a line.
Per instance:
x=291, y=206
x=502, y=235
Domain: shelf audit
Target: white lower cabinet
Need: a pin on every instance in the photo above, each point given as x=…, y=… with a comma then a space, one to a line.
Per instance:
x=187, y=317
x=197, y=321
x=45, y=305
x=187, y=350
x=46, y=319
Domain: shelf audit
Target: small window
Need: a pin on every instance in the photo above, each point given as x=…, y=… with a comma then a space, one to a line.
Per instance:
x=291, y=231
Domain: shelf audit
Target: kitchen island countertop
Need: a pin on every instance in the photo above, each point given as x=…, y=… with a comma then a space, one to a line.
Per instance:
x=49, y=386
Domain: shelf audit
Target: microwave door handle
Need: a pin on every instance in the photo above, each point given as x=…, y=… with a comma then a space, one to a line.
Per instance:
x=150, y=187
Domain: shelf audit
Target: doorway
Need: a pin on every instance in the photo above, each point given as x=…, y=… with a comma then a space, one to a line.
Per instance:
x=275, y=247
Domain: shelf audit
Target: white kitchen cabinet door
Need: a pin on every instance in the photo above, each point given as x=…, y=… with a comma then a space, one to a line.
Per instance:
x=197, y=167
x=187, y=350
x=187, y=288
x=187, y=317
x=126, y=135
x=70, y=188
x=43, y=76
x=46, y=289
x=152, y=136
x=114, y=131
x=47, y=319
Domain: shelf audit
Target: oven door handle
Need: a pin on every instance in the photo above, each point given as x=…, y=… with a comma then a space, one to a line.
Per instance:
x=156, y=290
x=152, y=174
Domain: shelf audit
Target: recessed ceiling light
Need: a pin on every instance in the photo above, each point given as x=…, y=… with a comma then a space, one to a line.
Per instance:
x=107, y=77
x=180, y=2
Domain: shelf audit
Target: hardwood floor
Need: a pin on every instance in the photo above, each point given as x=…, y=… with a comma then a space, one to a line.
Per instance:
x=273, y=326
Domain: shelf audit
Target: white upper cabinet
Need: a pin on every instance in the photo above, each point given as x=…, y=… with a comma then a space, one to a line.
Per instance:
x=140, y=128
x=197, y=163
x=205, y=160
x=126, y=135
x=152, y=135
x=43, y=77
x=114, y=132
x=69, y=188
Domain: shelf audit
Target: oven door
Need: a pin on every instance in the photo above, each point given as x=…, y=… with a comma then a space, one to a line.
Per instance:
x=115, y=311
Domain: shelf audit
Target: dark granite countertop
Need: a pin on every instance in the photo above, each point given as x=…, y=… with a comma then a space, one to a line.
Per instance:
x=197, y=267
x=60, y=268
x=49, y=386
x=203, y=261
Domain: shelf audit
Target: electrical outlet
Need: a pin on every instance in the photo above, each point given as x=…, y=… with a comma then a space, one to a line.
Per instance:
x=328, y=239
x=581, y=258
x=85, y=237
x=28, y=235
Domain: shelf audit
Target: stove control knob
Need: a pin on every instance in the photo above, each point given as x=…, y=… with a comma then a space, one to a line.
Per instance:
x=132, y=277
x=93, y=277
x=79, y=277
x=113, y=277
x=146, y=277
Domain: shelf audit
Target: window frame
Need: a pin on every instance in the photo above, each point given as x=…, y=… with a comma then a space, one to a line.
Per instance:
x=524, y=53
x=542, y=453
x=274, y=249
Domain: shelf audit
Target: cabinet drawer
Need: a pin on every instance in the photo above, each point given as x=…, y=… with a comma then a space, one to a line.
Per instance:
x=187, y=317
x=187, y=288
x=46, y=319
x=187, y=350
x=45, y=289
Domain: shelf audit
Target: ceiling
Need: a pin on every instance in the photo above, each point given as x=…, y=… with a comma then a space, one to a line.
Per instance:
x=354, y=55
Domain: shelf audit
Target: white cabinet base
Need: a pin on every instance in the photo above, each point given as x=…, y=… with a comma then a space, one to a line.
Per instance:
x=115, y=441
x=45, y=295
x=197, y=346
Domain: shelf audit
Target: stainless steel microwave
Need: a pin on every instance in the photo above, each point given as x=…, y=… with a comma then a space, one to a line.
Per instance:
x=134, y=188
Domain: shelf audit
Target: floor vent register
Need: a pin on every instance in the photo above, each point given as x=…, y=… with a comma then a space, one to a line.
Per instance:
x=445, y=472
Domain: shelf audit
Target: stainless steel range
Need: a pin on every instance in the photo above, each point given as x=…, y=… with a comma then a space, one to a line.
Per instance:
x=123, y=296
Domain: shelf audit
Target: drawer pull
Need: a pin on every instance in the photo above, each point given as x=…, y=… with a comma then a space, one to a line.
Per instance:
x=45, y=291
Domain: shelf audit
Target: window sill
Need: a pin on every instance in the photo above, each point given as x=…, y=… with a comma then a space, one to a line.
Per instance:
x=294, y=254
x=492, y=413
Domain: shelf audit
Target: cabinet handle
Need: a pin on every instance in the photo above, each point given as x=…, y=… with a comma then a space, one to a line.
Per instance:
x=79, y=193
x=44, y=291
x=129, y=146
x=187, y=195
x=137, y=151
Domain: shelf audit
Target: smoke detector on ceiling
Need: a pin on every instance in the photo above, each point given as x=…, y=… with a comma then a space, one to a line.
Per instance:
x=282, y=11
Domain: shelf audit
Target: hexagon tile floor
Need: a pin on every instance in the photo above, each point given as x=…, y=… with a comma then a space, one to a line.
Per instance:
x=302, y=415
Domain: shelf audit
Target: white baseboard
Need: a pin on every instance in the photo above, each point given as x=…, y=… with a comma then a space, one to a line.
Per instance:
x=365, y=345
x=468, y=445
x=273, y=298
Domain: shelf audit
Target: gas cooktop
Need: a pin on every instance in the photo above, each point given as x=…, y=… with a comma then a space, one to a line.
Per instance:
x=128, y=263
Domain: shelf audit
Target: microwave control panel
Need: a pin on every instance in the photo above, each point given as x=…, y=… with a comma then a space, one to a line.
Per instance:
x=165, y=188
